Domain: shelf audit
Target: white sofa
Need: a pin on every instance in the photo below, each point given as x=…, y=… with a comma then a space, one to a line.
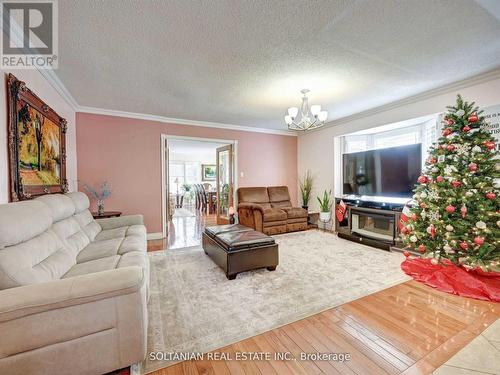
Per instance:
x=73, y=290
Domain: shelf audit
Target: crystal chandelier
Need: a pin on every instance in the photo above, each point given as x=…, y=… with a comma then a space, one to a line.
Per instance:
x=310, y=118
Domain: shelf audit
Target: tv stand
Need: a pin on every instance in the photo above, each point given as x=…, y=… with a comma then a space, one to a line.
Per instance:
x=371, y=223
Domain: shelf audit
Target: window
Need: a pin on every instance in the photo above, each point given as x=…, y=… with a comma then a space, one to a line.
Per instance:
x=184, y=172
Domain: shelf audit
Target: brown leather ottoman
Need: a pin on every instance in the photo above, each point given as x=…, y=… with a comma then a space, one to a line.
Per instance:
x=236, y=248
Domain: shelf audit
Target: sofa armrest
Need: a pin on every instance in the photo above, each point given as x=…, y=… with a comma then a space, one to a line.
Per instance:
x=251, y=206
x=122, y=221
x=37, y=298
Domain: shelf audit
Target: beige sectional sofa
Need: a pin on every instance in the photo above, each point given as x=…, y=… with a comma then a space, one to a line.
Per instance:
x=73, y=290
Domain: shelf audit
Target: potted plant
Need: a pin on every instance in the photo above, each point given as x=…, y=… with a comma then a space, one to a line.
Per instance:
x=326, y=204
x=305, y=188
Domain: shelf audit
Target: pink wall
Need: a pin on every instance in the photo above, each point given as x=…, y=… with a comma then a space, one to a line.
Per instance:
x=126, y=153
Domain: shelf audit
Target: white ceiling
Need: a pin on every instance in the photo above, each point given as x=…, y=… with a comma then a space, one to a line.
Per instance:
x=244, y=62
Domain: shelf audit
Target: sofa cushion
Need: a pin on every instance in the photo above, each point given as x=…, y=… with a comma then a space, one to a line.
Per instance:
x=61, y=206
x=96, y=265
x=254, y=195
x=21, y=221
x=296, y=213
x=40, y=259
x=111, y=233
x=274, y=214
x=99, y=249
x=72, y=235
x=279, y=196
x=83, y=215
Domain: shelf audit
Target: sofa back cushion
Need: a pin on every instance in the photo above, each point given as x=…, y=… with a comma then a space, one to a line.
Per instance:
x=279, y=196
x=65, y=224
x=83, y=215
x=254, y=195
x=30, y=252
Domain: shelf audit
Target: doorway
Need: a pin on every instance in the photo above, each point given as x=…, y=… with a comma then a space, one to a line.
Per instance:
x=199, y=181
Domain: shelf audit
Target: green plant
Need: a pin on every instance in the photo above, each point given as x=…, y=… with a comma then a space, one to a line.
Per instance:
x=326, y=203
x=186, y=187
x=306, y=187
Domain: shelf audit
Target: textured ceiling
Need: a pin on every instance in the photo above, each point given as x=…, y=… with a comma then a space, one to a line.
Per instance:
x=244, y=62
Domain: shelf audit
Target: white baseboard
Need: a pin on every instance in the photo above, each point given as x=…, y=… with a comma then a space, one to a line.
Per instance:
x=155, y=236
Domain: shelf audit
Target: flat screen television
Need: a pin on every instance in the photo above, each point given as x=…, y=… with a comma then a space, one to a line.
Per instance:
x=387, y=172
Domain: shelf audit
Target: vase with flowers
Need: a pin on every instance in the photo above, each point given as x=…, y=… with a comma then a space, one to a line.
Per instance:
x=100, y=195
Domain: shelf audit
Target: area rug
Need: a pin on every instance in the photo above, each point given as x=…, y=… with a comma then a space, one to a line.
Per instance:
x=194, y=308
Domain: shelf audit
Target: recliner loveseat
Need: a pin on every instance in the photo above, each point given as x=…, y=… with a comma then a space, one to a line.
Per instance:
x=269, y=210
x=73, y=290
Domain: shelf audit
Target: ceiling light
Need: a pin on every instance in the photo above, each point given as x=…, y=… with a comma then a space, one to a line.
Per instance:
x=310, y=118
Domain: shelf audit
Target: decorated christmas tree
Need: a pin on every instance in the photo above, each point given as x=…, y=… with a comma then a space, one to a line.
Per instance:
x=456, y=215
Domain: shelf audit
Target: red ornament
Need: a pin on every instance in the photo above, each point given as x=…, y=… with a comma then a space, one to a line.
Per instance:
x=450, y=209
x=431, y=229
x=449, y=121
x=421, y=248
x=464, y=245
x=456, y=184
x=472, y=167
x=450, y=147
x=466, y=129
x=406, y=253
x=479, y=240
x=439, y=178
x=473, y=118
x=446, y=132
x=490, y=195
x=433, y=160
x=490, y=145
x=422, y=179
x=463, y=211
x=404, y=230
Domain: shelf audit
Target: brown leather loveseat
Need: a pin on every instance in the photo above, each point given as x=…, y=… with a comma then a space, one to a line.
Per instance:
x=269, y=210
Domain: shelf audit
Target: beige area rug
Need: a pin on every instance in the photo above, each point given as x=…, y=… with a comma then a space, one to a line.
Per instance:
x=194, y=308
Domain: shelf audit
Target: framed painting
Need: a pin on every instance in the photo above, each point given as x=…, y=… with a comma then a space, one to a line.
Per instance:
x=37, y=144
x=208, y=172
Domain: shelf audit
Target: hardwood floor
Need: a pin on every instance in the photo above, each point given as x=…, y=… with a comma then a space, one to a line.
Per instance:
x=407, y=329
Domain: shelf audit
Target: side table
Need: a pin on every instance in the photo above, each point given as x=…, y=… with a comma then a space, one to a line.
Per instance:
x=106, y=214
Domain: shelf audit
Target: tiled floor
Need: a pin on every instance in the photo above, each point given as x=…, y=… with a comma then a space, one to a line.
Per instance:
x=480, y=356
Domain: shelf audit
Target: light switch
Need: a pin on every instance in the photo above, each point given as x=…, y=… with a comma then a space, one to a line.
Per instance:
x=242, y=175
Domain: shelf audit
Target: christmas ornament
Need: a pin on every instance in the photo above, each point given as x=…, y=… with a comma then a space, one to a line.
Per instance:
x=472, y=118
x=431, y=229
x=434, y=216
x=450, y=209
x=466, y=128
x=434, y=261
x=460, y=113
x=478, y=241
x=476, y=149
x=450, y=147
x=435, y=170
x=449, y=228
x=463, y=245
x=421, y=248
x=490, y=145
x=422, y=180
x=406, y=254
x=469, y=193
x=446, y=132
x=439, y=179
x=413, y=238
x=490, y=195
x=463, y=211
x=462, y=149
x=456, y=184
x=481, y=225
x=472, y=167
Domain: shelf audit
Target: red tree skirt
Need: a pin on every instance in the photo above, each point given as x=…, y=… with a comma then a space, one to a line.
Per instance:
x=455, y=280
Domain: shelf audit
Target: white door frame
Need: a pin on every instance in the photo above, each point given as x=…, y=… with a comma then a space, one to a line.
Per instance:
x=164, y=170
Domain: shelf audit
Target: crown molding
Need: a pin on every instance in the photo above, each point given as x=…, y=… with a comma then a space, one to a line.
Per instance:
x=475, y=80
x=172, y=120
x=56, y=83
